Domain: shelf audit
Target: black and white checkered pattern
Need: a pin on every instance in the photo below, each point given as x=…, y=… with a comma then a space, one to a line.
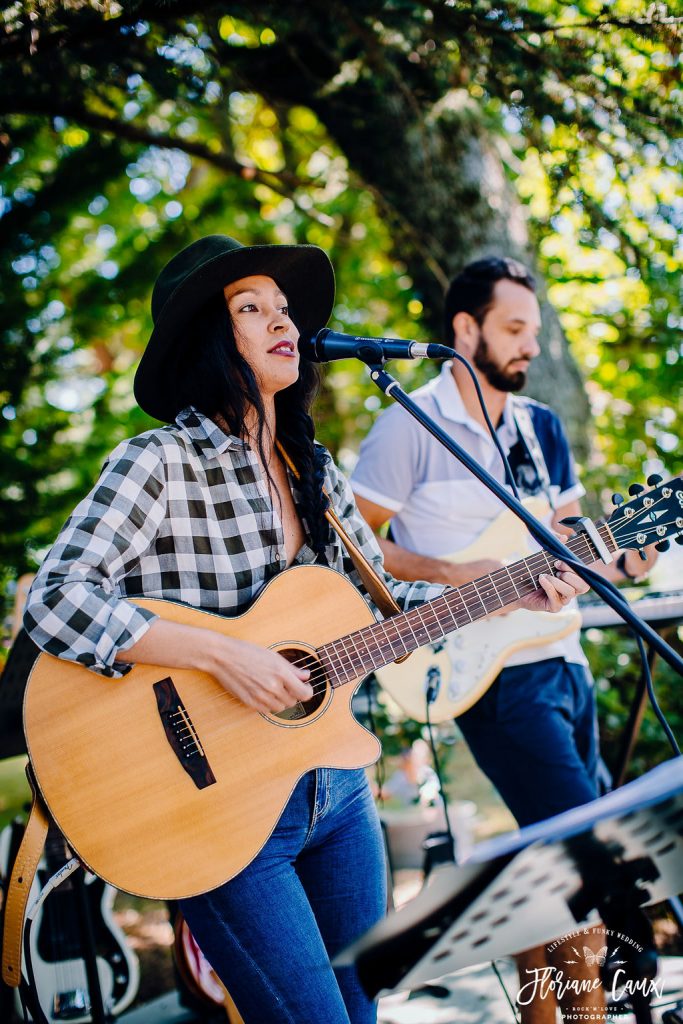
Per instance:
x=181, y=512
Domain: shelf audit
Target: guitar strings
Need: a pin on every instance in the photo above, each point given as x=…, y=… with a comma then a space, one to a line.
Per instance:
x=320, y=674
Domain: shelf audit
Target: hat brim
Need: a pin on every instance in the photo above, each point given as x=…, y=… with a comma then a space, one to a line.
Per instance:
x=304, y=273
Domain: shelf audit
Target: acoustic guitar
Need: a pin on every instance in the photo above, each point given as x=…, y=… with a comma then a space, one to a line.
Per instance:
x=165, y=785
x=469, y=660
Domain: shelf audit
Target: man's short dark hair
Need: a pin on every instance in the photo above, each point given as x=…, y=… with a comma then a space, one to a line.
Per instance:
x=471, y=291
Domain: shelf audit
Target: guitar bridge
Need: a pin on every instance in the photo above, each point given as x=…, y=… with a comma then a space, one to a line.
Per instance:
x=181, y=734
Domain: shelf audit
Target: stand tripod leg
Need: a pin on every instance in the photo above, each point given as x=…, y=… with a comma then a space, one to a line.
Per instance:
x=634, y=723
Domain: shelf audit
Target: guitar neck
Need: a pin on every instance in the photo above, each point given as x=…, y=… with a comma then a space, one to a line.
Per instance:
x=375, y=646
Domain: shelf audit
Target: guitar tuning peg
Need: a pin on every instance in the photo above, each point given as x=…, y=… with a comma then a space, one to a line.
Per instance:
x=636, y=489
x=679, y=538
x=662, y=545
x=643, y=556
x=654, y=479
x=617, y=499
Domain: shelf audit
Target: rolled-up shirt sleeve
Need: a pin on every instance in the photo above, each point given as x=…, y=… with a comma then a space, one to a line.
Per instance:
x=75, y=609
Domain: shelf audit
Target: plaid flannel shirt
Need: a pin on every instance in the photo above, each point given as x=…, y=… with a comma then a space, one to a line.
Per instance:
x=180, y=512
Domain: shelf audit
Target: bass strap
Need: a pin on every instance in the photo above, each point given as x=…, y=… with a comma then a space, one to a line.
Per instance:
x=527, y=434
x=21, y=879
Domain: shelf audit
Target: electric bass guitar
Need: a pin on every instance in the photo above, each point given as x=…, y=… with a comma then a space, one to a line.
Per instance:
x=467, y=662
x=57, y=939
x=166, y=785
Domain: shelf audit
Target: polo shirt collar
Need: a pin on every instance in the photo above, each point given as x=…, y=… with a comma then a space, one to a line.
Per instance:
x=450, y=403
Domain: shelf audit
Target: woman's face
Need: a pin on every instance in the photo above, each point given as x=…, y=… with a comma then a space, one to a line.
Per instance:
x=264, y=334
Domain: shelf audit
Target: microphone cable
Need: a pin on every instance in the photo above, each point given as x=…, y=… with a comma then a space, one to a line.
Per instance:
x=432, y=685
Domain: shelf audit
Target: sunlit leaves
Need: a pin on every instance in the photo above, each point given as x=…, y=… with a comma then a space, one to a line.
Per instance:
x=209, y=124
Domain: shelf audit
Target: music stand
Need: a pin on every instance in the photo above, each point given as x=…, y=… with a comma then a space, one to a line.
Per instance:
x=531, y=887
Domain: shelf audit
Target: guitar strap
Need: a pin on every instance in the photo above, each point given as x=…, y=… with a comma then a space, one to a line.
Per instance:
x=21, y=879
x=375, y=586
x=527, y=434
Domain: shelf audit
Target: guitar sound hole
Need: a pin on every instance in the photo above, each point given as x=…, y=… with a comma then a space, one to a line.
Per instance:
x=318, y=680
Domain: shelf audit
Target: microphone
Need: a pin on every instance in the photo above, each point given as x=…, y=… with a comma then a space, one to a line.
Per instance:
x=327, y=345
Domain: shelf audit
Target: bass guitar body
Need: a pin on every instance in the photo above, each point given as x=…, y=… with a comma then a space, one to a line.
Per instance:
x=164, y=784
x=468, y=661
x=57, y=942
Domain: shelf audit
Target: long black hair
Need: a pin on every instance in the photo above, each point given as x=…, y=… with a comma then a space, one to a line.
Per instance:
x=213, y=376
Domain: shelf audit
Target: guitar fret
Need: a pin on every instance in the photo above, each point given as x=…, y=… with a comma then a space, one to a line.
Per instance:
x=487, y=592
x=527, y=584
x=384, y=645
x=422, y=636
x=436, y=624
x=368, y=637
x=332, y=652
x=329, y=669
x=401, y=639
x=412, y=631
x=391, y=642
x=344, y=660
x=512, y=581
x=457, y=607
x=469, y=592
x=357, y=655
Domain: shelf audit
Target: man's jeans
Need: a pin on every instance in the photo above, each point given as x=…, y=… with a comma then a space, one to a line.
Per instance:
x=534, y=734
x=317, y=884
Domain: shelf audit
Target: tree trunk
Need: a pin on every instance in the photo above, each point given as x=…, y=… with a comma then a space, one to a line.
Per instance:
x=441, y=179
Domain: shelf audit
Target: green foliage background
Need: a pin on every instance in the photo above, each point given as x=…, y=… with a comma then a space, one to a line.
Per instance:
x=128, y=129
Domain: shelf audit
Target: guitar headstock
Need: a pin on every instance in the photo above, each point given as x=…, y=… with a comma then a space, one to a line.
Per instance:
x=651, y=517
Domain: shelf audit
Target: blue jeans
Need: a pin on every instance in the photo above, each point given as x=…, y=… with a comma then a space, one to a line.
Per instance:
x=534, y=734
x=317, y=884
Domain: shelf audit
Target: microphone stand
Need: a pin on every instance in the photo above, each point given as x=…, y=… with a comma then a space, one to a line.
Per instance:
x=373, y=356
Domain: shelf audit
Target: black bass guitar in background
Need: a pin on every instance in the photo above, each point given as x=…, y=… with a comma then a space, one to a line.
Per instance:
x=56, y=942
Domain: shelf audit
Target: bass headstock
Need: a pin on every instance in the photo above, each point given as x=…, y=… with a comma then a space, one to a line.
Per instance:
x=652, y=516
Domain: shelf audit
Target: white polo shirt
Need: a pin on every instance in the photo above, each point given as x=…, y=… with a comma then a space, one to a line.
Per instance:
x=439, y=506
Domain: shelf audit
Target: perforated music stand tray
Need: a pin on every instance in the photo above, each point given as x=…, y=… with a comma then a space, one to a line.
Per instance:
x=533, y=886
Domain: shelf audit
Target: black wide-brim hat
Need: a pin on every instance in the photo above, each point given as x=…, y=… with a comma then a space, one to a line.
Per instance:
x=202, y=270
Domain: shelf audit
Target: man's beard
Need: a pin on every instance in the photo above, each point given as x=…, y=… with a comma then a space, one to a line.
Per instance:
x=497, y=376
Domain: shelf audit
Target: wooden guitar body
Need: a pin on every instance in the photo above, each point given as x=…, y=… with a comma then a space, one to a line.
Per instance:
x=120, y=793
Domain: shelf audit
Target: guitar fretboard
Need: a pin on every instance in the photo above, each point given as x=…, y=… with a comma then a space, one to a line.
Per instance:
x=370, y=648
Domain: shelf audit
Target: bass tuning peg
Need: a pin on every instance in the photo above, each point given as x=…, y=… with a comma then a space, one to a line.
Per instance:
x=617, y=499
x=662, y=545
x=636, y=489
x=654, y=479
